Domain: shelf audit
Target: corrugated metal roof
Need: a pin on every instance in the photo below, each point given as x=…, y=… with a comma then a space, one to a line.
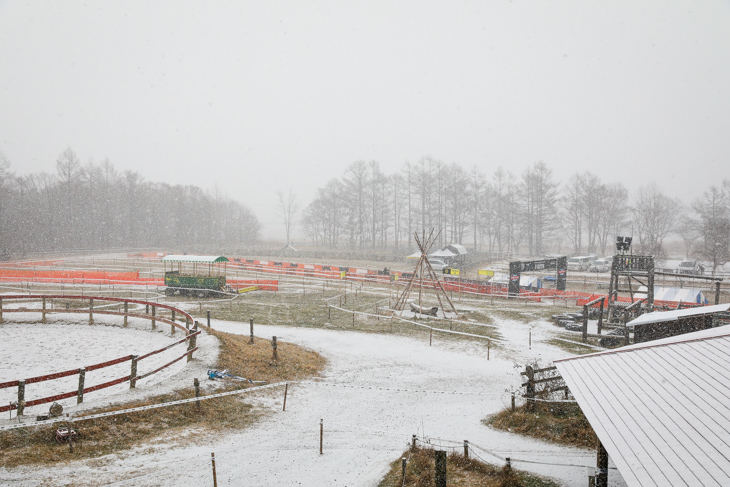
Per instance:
x=205, y=259
x=659, y=316
x=661, y=409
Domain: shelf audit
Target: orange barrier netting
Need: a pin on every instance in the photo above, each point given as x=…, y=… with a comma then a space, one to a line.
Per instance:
x=6, y=274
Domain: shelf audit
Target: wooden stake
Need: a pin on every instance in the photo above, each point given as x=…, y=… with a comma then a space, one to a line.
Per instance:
x=212, y=461
x=321, y=434
x=196, y=384
x=286, y=389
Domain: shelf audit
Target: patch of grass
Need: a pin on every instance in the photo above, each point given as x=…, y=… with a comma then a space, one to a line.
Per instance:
x=574, y=348
x=562, y=423
x=466, y=472
x=169, y=424
x=310, y=311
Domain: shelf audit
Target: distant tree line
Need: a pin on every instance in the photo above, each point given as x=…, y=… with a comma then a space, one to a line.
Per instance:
x=530, y=213
x=93, y=206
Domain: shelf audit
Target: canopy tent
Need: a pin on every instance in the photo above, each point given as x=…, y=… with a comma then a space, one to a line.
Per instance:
x=676, y=294
x=458, y=249
x=414, y=255
x=529, y=282
x=442, y=253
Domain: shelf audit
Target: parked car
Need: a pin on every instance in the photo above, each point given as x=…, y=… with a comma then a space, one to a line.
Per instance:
x=600, y=265
x=438, y=265
x=690, y=267
x=580, y=263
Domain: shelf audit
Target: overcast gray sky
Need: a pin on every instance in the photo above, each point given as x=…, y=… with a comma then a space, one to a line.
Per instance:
x=254, y=96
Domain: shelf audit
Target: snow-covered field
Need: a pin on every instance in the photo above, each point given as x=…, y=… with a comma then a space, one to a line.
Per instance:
x=376, y=392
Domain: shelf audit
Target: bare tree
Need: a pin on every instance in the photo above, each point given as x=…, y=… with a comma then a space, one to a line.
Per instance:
x=613, y=214
x=655, y=215
x=288, y=207
x=539, y=194
x=713, y=210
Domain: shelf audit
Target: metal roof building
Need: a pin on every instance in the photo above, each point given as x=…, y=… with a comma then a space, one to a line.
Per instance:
x=661, y=409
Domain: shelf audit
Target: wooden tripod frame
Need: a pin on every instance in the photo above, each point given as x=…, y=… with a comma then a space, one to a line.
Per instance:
x=424, y=245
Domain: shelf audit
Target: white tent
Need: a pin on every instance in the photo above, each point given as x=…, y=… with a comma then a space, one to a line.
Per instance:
x=442, y=253
x=677, y=294
x=457, y=248
x=414, y=255
x=533, y=282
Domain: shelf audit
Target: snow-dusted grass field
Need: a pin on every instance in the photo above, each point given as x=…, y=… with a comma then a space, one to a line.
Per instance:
x=378, y=390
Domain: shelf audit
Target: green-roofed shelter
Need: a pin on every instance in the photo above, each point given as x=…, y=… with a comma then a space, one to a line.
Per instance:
x=179, y=279
x=204, y=259
x=196, y=260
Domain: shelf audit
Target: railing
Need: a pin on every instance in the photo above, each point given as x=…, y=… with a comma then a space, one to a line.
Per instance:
x=132, y=378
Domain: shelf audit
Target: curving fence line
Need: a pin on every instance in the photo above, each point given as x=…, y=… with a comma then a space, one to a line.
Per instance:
x=190, y=338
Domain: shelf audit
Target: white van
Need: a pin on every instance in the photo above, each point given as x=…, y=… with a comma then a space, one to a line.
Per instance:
x=579, y=264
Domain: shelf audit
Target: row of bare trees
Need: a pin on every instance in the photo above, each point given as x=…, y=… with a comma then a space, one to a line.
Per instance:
x=531, y=214
x=93, y=206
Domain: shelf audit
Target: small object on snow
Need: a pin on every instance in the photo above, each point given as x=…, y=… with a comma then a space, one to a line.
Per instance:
x=62, y=435
x=216, y=374
x=55, y=409
x=424, y=311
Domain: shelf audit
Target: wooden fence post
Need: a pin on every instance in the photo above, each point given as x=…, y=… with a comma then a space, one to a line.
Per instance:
x=212, y=461
x=21, y=396
x=275, y=354
x=196, y=384
x=530, y=387
x=154, y=313
x=440, y=474
x=91, y=311
x=286, y=389
x=466, y=448
x=600, y=316
x=43, y=313
x=80, y=393
x=133, y=373
x=403, y=463
x=250, y=340
x=208, y=315
x=321, y=434
x=585, y=323
x=1, y=310
x=601, y=466
x=173, y=315
x=126, y=310
x=513, y=402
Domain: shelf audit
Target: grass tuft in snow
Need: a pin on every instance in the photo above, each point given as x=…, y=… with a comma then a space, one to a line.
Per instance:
x=562, y=423
x=467, y=472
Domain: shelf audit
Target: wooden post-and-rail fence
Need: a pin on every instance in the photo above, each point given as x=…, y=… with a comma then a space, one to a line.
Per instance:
x=530, y=390
x=132, y=378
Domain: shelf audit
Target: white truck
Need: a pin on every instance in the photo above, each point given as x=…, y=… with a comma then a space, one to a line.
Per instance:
x=690, y=267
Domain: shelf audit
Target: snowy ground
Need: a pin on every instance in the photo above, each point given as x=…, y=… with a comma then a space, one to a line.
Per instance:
x=377, y=391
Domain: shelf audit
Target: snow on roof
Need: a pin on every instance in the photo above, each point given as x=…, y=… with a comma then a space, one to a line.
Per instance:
x=661, y=409
x=660, y=316
x=207, y=259
x=460, y=249
x=442, y=253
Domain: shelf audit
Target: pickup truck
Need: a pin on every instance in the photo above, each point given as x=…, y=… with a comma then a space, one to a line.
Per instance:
x=690, y=267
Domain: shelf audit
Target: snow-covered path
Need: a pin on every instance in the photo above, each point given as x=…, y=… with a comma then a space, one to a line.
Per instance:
x=376, y=392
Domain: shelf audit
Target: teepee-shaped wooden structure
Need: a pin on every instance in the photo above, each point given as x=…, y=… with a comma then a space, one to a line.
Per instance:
x=422, y=266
